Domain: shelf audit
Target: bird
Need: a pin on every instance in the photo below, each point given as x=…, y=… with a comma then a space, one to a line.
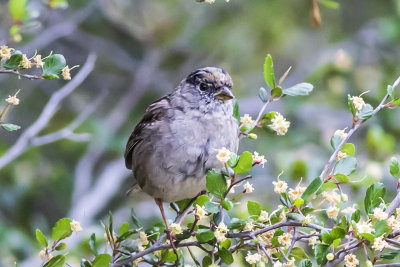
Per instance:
x=175, y=143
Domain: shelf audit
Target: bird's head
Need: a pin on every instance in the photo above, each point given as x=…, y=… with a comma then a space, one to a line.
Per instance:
x=210, y=84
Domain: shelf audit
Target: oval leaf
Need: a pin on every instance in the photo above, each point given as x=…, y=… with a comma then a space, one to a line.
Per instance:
x=245, y=162
x=269, y=75
x=53, y=66
x=102, y=260
x=216, y=184
x=299, y=89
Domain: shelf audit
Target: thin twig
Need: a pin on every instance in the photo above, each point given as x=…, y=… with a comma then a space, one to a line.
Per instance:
x=19, y=74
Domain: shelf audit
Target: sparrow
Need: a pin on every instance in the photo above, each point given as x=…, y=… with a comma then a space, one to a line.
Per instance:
x=175, y=143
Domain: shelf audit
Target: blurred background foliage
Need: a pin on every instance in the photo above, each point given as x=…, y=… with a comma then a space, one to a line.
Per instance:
x=144, y=48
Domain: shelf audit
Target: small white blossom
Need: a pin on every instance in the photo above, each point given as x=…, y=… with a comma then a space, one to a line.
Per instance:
x=75, y=226
x=332, y=212
x=379, y=243
x=176, y=228
x=249, y=226
x=38, y=61
x=66, y=73
x=13, y=100
x=358, y=102
x=200, y=212
x=308, y=219
x=280, y=124
x=264, y=216
x=331, y=197
x=379, y=214
x=278, y=264
x=285, y=239
x=312, y=241
x=246, y=120
x=219, y=234
x=340, y=155
x=259, y=159
x=253, y=258
x=143, y=238
x=5, y=52
x=364, y=227
x=341, y=133
x=349, y=210
x=280, y=187
x=297, y=192
x=290, y=263
x=393, y=223
x=137, y=261
x=42, y=253
x=266, y=237
x=351, y=261
x=223, y=155
x=282, y=216
x=26, y=63
x=248, y=187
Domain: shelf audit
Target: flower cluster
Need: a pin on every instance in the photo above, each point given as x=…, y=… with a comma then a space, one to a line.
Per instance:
x=220, y=232
x=280, y=124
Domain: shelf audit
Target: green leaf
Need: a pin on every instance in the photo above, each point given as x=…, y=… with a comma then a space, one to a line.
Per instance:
x=56, y=261
x=62, y=229
x=53, y=66
x=205, y=236
x=182, y=204
x=41, y=238
x=295, y=216
x=298, y=202
x=253, y=208
x=225, y=255
x=380, y=228
x=326, y=237
x=14, y=61
x=329, y=4
x=61, y=246
x=365, y=112
x=349, y=149
x=346, y=166
x=200, y=200
x=351, y=105
x=92, y=244
x=245, y=163
x=335, y=141
x=125, y=227
x=212, y=207
x=102, y=260
x=337, y=233
x=298, y=253
x=394, y=168
x=226, y=244
x=10, y=127
x=396, y=102
x=233, y=160
x=17, y=9
x=390, y=91
x=356, y=216
x=269, y=75
x=263, y=95
x=341, y=178
x=135, y=219
x=276, y=92
x=312, y=188
x=299, y=89
x=305, y=263
x=226, y=204
x=236, y=113
x=373, y=196
x=369, y=237
x=390, y=255
x=216, y=184
x=207, y=261
x=320, y=252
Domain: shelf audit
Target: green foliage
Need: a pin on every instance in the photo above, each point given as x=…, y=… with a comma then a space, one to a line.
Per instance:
x=205, y=235
x=62, y=229
x=335, y=141
x=102, y=260
x=373, y=196
x=300, y=89
x=225, y=255
x=14, y=61
x=365, y=112
x=314, y=186
x=56, y=261
x=245, y=163
x=269, y=75
x=349, y=149
x=236, y=113
x=320, y=252
x=17, y=9
x=216, y=184
x=53, y=66
x=346, y=166
x=394, y=168
x=10, y=127
x=41, y=238
x=253, y=208
x=263, y=94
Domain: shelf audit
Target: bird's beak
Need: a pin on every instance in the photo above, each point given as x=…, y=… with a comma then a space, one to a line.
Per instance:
x=224, y=93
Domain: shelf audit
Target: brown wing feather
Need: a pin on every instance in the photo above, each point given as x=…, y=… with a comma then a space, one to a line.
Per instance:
x=155, y=112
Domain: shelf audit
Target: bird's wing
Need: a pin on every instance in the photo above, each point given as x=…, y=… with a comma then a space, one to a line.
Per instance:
x=155, y=112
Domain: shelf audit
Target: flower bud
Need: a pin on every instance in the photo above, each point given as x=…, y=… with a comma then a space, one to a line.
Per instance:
x=369, y=264
x=252, y=136
x=344, y=197
x=330, y=256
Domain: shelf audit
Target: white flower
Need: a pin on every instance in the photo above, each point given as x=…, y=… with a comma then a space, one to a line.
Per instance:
x=308, y=219
x=264, y=216
x=222, y=227
x=297, y=192
x=248, y=187
x=266, y=237
x=341, y=133
x=358, y=102
x=223, y=155
x=350, y=260
x=143, y=238
x=279, y=124
x=278, y=264
x=290, y=263
x=249, y=226
x=330, y=256
x=312, y=241
x=75, y=226
x=393, y=223
x=210, y=1
x=379, y=214
x=379, y=244
x=332, y=212
x=331, y=197
x=282, y=216
x=246, y=120
x=285, y=239
x=280, y=187
x=176, y=228
x=349, y=210
x=5, y=52
x=38, y=61
x=364, y=227
x=220, y=232
x=66, y=73
x=253, y=258
x=200, y=212
x=13, y=100
x=340, y=155
x=26, y=63
x=137, y=261
x=259, y=159
x=42, y=253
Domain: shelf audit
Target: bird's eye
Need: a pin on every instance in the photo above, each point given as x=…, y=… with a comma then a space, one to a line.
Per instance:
x=203, y=86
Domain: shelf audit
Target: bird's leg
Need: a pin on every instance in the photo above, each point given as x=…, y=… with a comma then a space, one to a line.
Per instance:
x=167, y=228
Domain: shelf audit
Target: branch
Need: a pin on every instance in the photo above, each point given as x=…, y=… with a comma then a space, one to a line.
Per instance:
x=19, y=74
x=24, y=141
